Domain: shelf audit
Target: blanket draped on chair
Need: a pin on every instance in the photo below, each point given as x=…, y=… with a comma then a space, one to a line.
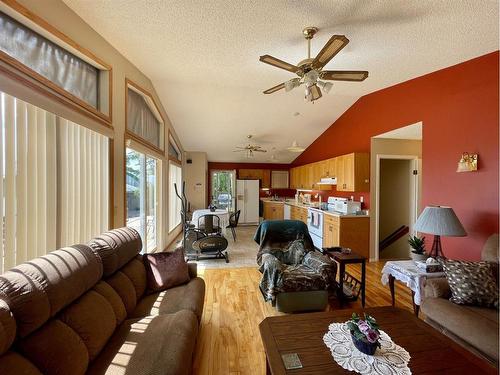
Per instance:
x=287, y=259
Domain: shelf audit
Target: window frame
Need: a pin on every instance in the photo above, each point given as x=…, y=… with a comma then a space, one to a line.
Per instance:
x=156, y=111
x=47, y=87
x=177, y=148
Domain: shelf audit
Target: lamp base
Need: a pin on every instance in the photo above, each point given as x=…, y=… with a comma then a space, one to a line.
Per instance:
x=437, y=251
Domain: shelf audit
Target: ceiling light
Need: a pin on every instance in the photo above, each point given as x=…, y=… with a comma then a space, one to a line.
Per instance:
x=326, y=86
x=291, y=84
x=295, y=147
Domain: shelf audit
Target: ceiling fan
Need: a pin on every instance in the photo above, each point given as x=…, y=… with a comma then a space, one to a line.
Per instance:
x=310, y=71
x=249, y=148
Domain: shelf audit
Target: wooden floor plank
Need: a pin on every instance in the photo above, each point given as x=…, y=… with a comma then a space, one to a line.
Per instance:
x=229, y=340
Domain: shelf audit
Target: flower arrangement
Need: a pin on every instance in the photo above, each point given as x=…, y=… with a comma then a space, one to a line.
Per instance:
x=365, y=333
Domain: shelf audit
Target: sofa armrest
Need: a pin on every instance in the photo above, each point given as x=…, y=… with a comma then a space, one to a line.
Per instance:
x=437, y=288
x=192, y=269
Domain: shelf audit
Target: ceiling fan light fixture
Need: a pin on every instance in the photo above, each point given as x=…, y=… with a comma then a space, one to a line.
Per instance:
x=291, y=84
x=326, y=86
x=295, y=147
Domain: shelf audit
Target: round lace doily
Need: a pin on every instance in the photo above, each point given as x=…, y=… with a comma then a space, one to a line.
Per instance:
x=389, y=359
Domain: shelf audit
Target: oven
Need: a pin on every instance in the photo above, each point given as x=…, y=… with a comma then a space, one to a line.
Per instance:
x=315, y=226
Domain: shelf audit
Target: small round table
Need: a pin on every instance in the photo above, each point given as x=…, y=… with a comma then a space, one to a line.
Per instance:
x=222, y=214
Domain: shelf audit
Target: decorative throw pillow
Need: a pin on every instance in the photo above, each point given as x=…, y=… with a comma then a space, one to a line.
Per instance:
x=165, y=270
x=471, y=283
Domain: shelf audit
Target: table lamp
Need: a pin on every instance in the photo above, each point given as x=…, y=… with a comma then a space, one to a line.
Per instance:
x=439, y=221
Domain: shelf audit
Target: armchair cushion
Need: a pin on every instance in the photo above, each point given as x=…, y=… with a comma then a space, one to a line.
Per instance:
x=323, y=266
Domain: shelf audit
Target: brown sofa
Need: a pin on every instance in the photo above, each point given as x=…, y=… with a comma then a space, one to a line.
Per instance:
x=83, y=310
x=476, y=328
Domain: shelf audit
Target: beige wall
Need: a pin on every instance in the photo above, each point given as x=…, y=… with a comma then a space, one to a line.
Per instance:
x=382, y=146
x=63, y=18
x=195, y=175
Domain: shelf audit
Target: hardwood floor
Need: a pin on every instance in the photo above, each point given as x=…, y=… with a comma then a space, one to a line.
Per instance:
x=229, y=341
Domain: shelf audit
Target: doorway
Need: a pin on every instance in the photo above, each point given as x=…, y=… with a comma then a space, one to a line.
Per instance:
x=223, y=189
x=398, y=193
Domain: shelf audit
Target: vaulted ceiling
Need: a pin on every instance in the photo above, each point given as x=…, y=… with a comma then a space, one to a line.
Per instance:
x=203, y=58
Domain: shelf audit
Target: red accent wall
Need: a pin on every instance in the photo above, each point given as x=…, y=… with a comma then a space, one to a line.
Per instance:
x=459, y=109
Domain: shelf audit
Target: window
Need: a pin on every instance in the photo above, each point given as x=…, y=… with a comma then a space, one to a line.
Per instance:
x=49, y=195
x=142, y=197
x=56, y=62
x=143, y=118
x=175, y=177
x=173, y=150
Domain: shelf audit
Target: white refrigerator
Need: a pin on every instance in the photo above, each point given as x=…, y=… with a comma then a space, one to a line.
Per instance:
x=247, y=200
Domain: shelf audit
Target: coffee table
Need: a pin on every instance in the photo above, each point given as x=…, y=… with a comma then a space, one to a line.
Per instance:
x=431, y=352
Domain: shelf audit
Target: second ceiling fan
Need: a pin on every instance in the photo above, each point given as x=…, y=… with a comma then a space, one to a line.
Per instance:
x=310, y=71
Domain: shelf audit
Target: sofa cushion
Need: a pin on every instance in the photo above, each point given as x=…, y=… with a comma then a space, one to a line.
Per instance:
x=162, y=344
x=189, y=296
x=55, y=349
x=165, y=270
x=7, y=327
x=116, y=248
x=93, y=319
x=136, y=272
x=105, y=290
x=125, y=289
x=477, y=326
x=15, y=363
x=471, y=283
x=35, y=291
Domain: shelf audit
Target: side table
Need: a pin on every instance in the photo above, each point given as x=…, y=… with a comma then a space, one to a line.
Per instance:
x=343, y=259
x=407, y=272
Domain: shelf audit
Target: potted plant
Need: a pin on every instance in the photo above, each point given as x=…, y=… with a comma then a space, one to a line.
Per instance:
x=418, y=248
x=365, y=334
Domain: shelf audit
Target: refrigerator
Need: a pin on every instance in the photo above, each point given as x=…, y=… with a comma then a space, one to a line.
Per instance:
x=247, y=200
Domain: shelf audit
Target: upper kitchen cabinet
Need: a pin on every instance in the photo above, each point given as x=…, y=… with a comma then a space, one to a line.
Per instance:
x=264, y=175
x=279, y=179
x=353, y=172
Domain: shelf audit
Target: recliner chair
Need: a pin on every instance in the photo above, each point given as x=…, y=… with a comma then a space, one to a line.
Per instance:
x=295, y=277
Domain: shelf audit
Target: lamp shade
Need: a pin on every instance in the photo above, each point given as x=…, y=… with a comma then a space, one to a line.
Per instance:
x=441, y=221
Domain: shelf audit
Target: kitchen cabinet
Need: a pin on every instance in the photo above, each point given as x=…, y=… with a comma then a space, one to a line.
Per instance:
x=273, y=210
x=279, y=179
x=298, y=213
x=351, y=232
x=264, y=175
x=353, y=172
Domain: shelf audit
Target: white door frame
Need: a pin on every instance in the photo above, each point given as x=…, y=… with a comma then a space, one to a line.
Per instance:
x=415, y=193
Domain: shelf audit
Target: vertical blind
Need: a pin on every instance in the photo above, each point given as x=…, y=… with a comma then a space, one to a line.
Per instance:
x=174, y=213
x=83, y=183
x=141, y=120
x=53, y=190
x=49, y=60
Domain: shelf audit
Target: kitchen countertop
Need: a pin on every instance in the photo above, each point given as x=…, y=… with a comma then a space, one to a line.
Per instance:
x=291, y=202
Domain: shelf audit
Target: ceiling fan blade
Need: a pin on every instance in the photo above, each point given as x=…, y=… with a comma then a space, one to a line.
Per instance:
x=279, y=63
x=259, y=150
x=344, y=75
x=331, y=48
x=275, y=88
x=239, y=150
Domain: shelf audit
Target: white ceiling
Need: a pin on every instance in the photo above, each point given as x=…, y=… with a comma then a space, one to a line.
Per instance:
x=413, y=132
x=203, y=58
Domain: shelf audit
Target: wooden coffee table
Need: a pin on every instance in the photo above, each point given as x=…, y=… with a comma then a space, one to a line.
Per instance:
x=431, y=352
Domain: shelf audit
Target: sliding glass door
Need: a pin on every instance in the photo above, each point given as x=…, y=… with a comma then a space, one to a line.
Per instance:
x=142, y=197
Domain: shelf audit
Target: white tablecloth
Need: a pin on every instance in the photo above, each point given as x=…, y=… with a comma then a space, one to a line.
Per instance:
x=222, y=214
x=407, y=272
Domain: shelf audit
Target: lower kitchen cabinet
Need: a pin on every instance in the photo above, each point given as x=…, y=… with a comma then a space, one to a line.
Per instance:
x=298, y=213
x=351, y=232
x=273, y=211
